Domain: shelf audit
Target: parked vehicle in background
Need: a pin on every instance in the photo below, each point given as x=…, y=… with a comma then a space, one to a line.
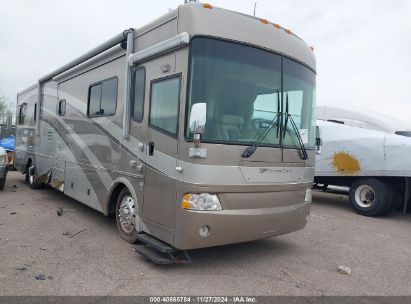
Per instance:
x=192, y=132
x=365, y=119
x=3, y=167
x=7, y=139
x=374, y=165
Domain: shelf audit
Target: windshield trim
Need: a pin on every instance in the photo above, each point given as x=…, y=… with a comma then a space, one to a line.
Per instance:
x=236, y=143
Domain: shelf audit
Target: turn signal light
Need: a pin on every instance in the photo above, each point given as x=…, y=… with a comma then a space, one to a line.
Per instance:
x=207, y=5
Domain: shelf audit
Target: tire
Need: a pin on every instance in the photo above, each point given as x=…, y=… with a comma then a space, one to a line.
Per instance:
x=371, y=197
x=27, y=171
x=2, y=183
x=33, y=183
x=127, y=216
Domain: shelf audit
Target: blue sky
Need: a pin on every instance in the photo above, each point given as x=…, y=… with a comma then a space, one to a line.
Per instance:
x=363, y=47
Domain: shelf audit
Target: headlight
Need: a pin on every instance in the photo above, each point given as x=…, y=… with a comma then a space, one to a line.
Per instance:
x=3, y=158
x=202, y=202
x=308, y=196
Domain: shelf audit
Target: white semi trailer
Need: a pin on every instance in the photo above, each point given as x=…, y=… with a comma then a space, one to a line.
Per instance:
x=374, y=164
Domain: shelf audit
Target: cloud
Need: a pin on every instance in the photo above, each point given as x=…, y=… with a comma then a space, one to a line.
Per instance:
x=362, y=47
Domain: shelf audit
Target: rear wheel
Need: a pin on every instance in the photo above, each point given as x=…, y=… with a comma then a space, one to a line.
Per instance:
x=27, y=171
x=2, y=183
x=127, y=216
x=371, y=197
x=32, y=179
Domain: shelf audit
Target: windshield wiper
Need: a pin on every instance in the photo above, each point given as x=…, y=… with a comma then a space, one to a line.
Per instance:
x=289, y=117
x=259, y=137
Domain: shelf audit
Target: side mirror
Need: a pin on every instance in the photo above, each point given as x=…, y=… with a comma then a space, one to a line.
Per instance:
x=318, y=140
x=198, y=118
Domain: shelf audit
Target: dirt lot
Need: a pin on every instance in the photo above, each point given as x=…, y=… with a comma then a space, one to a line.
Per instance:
x=34, y=240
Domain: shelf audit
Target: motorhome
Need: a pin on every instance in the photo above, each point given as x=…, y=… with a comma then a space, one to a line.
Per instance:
x=195, y=130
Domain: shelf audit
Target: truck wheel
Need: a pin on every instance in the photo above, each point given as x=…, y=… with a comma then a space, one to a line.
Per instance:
x=33, y=183
x=2, y=183
x=371, y=197
x=27, y=177
x=127, y=216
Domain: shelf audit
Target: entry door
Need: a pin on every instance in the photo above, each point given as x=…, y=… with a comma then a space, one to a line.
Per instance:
x=160, y=186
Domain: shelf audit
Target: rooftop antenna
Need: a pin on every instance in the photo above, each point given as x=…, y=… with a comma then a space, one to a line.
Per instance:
x=255, y=7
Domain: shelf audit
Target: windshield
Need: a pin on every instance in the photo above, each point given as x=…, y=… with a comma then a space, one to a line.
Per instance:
x=244, y=88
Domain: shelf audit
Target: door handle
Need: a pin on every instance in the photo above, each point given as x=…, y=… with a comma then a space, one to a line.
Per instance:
x=151, y=148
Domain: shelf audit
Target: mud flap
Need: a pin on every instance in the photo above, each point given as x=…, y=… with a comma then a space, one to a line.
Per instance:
x=407, y=196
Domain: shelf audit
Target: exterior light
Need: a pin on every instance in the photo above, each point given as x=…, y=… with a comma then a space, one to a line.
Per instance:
x=204, y=231
x=201, y=202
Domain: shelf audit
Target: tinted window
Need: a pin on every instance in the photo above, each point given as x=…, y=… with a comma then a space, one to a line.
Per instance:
x=164, y=104
x=299, y=95
x=103, y=98
x=94, y=101
x=61, y=107
x=109, y=97
x=245, y=88
x=240, y=85
x=139, y=93
x=22, y=114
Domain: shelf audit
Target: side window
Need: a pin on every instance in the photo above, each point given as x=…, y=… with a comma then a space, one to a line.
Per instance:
x=61, y=107
x=139, y=88
x=35, y=112
x=94, y=100
x=22, y=114
x=164, y=102
x=102, y=100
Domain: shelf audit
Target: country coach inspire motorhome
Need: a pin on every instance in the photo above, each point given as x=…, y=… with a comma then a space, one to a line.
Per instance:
x=196, y=130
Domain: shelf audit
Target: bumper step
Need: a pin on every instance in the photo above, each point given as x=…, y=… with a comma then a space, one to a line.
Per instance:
x=159, y=252
x=155, y=243
x=153, y=255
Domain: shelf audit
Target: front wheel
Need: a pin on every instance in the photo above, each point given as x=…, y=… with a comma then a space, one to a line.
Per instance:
x=127, y=216
x=371, y=197
x=33, y=182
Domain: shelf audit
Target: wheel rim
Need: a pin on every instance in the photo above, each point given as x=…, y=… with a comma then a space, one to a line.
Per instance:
x=127, y=214
x=365, y=196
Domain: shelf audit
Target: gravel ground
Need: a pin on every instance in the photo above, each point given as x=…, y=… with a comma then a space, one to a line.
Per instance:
x=35, y=241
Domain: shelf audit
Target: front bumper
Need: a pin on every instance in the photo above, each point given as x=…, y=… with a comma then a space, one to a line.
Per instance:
x=240, y=225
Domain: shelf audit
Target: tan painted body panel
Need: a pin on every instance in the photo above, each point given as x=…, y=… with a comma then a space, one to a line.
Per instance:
x=91, y=157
